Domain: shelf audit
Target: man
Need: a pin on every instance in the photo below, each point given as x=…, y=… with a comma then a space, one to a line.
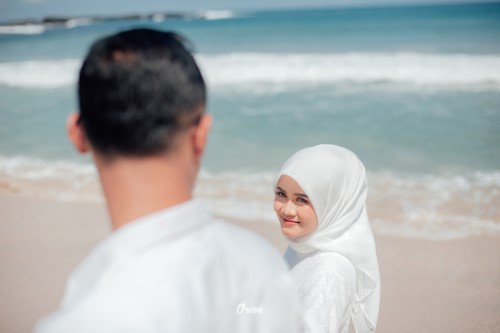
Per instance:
x=168, y=266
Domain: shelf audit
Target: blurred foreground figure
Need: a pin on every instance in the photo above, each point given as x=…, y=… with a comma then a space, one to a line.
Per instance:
x=168, y=266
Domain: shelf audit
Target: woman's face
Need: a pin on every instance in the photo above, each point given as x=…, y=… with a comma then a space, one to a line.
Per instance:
x=294, y=209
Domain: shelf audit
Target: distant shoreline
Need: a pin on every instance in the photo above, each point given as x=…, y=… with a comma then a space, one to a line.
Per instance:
x=31, y=25
x=56, y=20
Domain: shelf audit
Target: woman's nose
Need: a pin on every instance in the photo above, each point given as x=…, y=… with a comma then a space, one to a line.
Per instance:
x=289, y=209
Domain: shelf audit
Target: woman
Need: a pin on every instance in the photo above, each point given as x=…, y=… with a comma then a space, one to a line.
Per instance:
x=320, y=202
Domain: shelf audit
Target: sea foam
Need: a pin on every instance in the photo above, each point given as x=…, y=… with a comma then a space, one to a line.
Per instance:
x=410, y=205
x=25, y=29
x=217, y=14
x=440, y=71
x=362, y=68
x=39, y=73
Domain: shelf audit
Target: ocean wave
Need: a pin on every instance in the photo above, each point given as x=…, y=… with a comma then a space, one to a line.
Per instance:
x=58, y=180
x=217, y=14
x=440, y=71
x=360, y=68
x=409, y=205
x=78, y=22
x=24, y=29
x=39, y=73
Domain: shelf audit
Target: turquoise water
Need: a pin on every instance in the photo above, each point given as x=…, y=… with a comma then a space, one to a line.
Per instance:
x=414, y=91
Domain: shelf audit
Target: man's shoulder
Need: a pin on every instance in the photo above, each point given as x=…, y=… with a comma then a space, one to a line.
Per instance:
x=168, y=280
x=241, y=242
x=235, y=234
x=241, y=238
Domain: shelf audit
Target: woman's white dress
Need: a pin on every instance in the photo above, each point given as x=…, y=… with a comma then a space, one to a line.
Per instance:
x=336, y=266
x=326, y=283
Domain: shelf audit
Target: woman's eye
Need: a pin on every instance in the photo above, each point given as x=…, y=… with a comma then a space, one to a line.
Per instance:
x=302, y=200
x=280, y=194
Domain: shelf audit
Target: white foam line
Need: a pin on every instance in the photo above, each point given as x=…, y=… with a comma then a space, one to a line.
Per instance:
x=361, y=68
x=283, y=71
x=27, y=29
x=417, y=206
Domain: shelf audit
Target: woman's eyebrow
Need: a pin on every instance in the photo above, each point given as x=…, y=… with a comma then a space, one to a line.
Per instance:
x=297, y=194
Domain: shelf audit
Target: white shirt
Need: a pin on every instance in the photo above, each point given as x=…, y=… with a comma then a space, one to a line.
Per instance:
x=327, y=287
x=178, y=270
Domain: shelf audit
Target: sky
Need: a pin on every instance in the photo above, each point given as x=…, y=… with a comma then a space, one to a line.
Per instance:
x=22, y=9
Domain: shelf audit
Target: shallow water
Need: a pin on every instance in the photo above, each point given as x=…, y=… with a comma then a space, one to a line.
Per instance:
x=414, y=91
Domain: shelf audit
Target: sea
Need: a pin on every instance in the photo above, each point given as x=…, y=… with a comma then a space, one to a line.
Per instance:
x=414, y=91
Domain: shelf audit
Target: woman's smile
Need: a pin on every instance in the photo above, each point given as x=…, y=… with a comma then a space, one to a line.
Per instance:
x=294, y=209
x=287, y=221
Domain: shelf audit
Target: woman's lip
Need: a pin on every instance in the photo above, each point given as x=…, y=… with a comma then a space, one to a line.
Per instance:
x=289, y=221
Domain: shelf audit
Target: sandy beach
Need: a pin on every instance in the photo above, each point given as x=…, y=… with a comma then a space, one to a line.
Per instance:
x=427, y=286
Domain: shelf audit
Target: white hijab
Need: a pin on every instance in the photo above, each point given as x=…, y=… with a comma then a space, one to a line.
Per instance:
x=334, y=180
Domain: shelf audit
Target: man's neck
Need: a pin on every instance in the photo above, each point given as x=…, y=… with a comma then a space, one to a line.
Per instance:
x=137, y=187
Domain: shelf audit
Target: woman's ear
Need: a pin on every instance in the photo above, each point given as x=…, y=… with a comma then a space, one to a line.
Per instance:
x=76, y=134
x=201, y=134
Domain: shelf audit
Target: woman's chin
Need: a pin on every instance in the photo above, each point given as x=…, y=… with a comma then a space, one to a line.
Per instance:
x=294, y=233
x=289, y=232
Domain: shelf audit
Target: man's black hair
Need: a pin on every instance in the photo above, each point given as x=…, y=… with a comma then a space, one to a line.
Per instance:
x=137, y=89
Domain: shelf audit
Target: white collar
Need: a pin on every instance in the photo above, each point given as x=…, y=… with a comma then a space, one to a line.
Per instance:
x=169, y=223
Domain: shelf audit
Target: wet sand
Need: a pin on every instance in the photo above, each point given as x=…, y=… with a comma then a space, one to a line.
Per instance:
x=427, y=286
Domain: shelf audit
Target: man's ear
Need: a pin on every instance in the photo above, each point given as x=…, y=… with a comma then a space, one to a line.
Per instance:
x=201, y=133
x=76, y=134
